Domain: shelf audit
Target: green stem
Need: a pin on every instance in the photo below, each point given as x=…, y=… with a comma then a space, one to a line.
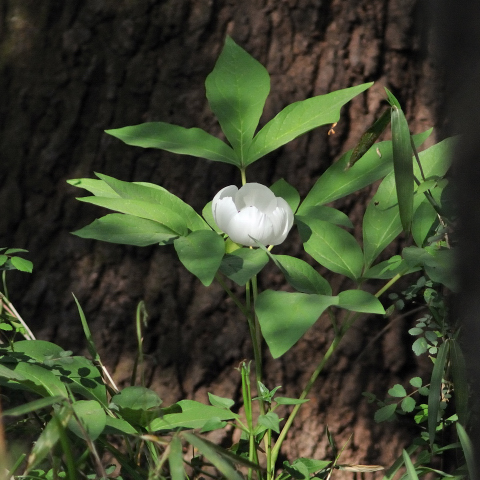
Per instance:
x=306, y=390
x=244, y=177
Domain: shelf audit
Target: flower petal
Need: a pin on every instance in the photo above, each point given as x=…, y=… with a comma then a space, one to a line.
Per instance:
x=223, y=206
x=250, y=222
x=255, y=194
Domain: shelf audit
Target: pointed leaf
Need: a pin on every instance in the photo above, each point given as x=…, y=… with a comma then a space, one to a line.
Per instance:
x=435, y=390
x=270, y=420
x=175, y=459
x=299, y=118
x=173, y=138
x=468, y=450
x=423, y=221
x=138, y=208
x=236, y=91
x=385, y=413
x=193, y=415
x=21, y=264
x=403, y=167
x=412, y=474
x=97, y=187
x=210, y=452
x=331, y=246
x=284, y=317
x=336, y=183
x=127, y=230
x=302, y=276
x=156, y=195
x=201, y=253
x=220, y=402
x=328, y=214
x=360, y=301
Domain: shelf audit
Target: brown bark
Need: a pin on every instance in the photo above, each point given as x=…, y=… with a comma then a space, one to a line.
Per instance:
x=72, y=69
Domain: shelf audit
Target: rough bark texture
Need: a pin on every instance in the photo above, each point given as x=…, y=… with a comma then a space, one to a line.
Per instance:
x=71, y=69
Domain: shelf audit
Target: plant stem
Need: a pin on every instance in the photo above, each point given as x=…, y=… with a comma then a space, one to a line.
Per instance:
x=244, y=177
x=306, y=390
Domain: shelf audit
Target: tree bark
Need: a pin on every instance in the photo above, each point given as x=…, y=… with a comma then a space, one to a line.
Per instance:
x=70, y=70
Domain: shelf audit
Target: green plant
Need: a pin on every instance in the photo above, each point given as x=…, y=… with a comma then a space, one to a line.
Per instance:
x=80, y=408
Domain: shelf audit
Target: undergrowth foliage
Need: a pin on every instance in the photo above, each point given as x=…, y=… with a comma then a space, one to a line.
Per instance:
x=84, y=426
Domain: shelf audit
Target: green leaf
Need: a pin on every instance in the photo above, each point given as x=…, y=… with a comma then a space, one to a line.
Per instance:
x=32, y=406
x=3, y=259
x=336, y=183
x=331, y=246
x=174, y=138
x=48, y=438
x=138, y=208
x=220, y=402
x=360, y=301
x=389, y=268
x=420, y=346
x=175, y=459
x=290, y=401
x=468, y=451
x=92, y=417
x=408, y=404
x=281, y=188
x=423, y=221
x=213, y=424
x=236, y=91
x=385, y=413
x=82, y=377
x=299, y=118
x=137, y=405
x=97, y=187
x=201, y=253
x=210, y=452
x=194, y=415
x=208, y=216
x=435, y=390
x=301, y=276
x=92, y=349
x=397, y=391
x=391, y=99
x=127, y=230
x=412, y=474
x=270, y=420
x=21, y=264
x=284, y=317
x=381, y=222
x=369, y=138
x=156, y=195
x=329, y=214
x=416, y=382
x=118, y=426
x=242, y=264
x=403, y=167
x=459, y=377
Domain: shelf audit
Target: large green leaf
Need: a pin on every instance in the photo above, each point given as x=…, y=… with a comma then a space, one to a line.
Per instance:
x=236, y=91
x=91, y=416
x=201, y=253
x=242, y=264
x=423, y=220
x=301, y=117
x=155, y=194
x=284, y=317
x=302, y=276
x=97, y=187
x=381, y=222
x=175, y=459
x=336, y=182
x=193, y=415
x=403, y=167
x=138, y=208
x=360, y=301
x=127, y=230
x=176, y=139
x=137, y=405
x=331, y=246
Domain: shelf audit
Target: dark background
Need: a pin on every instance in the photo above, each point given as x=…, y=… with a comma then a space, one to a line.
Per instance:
x=70, y=70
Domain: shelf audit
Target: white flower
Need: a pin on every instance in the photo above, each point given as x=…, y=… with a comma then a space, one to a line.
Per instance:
x=253, y=212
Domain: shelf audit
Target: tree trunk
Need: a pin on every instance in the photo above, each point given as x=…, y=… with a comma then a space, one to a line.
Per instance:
x=70, y=70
